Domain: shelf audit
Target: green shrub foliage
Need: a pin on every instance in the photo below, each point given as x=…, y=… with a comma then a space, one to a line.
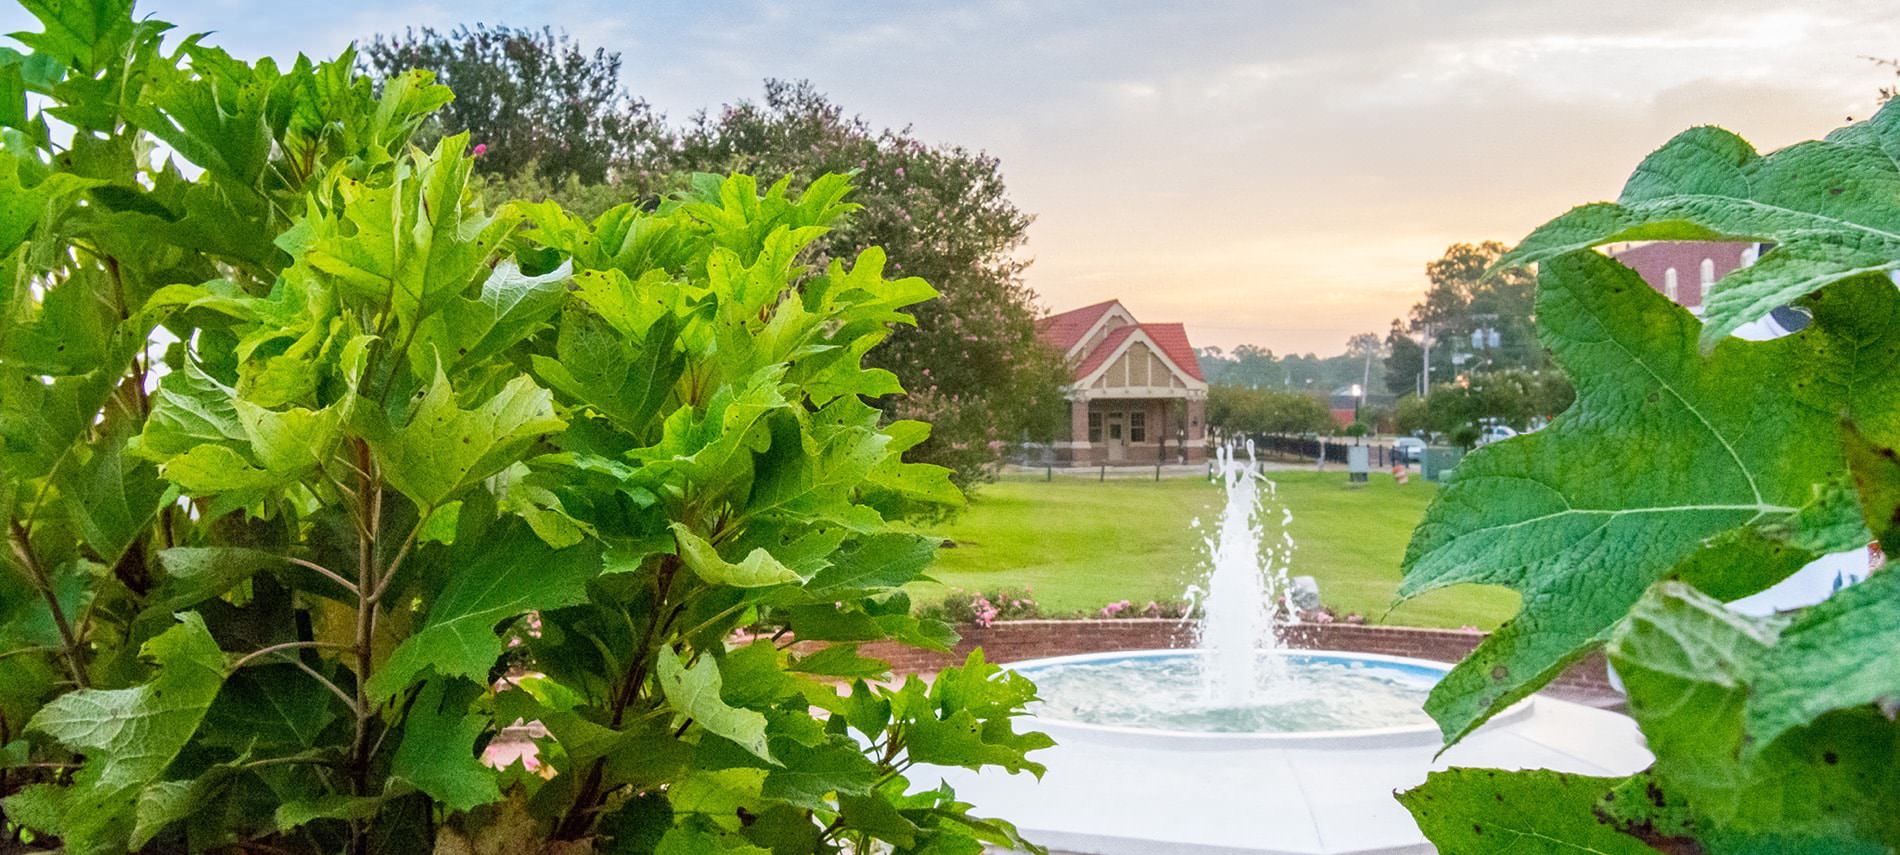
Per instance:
x=1696, y=468
x=321, y=481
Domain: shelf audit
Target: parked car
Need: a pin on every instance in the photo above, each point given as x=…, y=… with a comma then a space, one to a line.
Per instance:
x=1409, y=449
x=1494, y=433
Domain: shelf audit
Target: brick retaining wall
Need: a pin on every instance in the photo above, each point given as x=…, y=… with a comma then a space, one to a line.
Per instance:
x=1013, y=641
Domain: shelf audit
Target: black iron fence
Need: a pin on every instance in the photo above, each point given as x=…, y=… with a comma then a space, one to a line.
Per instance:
x=1333, y=449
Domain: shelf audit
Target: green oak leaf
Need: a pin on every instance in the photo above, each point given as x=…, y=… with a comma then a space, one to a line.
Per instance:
x=210, y=441
x=1835, y=656
x=511, y=307
x=437, y=754
x=507, y=573
x=1731, y=440
x=114, y=496
x=440, y=448
x=757, y=570
x=129, y=736
x=1532, y=812
x=415, y=244
x=1689, y=666
x=1826, y=205
x=694, y=693
x=625, y=379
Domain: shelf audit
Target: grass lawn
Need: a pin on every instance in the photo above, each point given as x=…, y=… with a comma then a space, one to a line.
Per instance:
x=1082, y=544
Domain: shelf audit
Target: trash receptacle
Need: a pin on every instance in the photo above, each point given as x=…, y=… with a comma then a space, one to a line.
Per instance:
x=1358, y=458
x=1440, y=460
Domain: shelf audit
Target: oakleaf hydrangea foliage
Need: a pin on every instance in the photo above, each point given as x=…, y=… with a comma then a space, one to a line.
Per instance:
x=320, y=480
x=1694, y=469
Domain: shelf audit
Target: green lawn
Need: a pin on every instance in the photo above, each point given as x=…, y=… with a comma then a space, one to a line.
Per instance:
x=1082, y=544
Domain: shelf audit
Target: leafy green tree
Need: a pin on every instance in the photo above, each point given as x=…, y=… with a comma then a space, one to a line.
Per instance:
x=534, y=102
x=319, y=476
x=1238, y=411
x=1693, y=469
x=1472, y=299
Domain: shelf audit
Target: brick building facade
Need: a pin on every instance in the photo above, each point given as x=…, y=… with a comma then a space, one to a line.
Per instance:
x=1136, y=394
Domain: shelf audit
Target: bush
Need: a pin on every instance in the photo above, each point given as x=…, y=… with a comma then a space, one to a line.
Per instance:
x=985, y=608
x=265, y=566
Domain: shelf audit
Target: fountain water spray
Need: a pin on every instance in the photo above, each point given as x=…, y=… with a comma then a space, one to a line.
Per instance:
x=1245, y=586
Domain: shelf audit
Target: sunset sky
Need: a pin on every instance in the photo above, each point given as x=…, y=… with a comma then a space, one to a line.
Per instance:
x=1274, y=173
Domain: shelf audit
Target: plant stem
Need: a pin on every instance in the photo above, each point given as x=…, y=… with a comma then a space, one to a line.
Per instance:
x=369, y=514
x=326, y=573
x=288, y=645
x=75, y=655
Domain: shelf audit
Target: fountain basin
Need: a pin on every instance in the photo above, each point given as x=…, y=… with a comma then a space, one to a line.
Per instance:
x=1321, y=699
x=1114, y=789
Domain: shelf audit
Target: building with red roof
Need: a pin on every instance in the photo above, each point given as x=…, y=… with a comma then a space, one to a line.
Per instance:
x=1136, y=394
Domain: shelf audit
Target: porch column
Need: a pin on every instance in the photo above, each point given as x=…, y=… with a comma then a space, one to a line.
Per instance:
x=1076, y=450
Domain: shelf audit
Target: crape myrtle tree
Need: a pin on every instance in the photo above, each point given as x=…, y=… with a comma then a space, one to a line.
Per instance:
x=535, y=103
x=1696, y=468
x=318, y=475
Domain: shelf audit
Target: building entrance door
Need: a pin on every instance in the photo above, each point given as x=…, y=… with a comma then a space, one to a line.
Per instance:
x=1117, y=437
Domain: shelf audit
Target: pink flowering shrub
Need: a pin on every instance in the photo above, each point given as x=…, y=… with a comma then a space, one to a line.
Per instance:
x=985, y=608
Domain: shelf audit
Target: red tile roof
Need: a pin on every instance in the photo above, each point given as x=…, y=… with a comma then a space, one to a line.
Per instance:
x=1064, y=330
x=1094, y=358
x=1173, y=341
x=1170, y=338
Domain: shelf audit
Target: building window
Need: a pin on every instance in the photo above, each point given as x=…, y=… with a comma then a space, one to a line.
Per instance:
x=1137, y=426
x=1095, y=427
x=1708, y=276
x=1669, y=283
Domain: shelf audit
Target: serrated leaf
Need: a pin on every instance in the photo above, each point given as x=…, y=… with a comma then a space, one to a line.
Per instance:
x=1734, y=439
x=437, y=752
x=1825, y=205
x=1836, y=655
x=509, y=572
x=440, y=448
x=1687, y=663
x=757, y=570
x=416, y=243
x=130, y=735
x=1480, y=811
x=693, y=692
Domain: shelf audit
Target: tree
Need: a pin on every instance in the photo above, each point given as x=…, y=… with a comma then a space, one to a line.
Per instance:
x=973, y=364
x=403, y=470
x=1476, y=310
x=1239, y=411
x=534, y=102
x=1404, y=362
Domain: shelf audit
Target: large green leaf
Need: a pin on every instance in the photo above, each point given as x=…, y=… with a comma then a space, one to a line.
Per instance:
x=693, y=692
x=627, y=380
x=507, y=573
x=440, y=448
x=130, y=735
x=1663, y=451
x=438, y=755
x=1836, y=655
x=210, y=441
x=416, y=243
x=1688, y=664
x=1827, y=206
x=757, y=570
x=1480, y=811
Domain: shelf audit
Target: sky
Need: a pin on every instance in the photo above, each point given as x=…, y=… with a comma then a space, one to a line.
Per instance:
x=1274, y=173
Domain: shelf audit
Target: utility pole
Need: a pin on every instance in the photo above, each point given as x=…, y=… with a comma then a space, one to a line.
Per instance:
x=1425, y=386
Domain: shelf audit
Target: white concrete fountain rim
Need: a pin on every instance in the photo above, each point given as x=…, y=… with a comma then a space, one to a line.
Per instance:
x=1185, y=740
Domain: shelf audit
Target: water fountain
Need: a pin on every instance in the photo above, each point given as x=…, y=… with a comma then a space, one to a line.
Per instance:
x=1242, y=745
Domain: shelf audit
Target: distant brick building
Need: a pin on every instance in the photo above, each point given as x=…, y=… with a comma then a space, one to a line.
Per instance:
x=1136, y=394
x=1685, y=271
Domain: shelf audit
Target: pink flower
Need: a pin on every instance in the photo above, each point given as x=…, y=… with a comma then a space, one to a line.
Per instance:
x=481, y=149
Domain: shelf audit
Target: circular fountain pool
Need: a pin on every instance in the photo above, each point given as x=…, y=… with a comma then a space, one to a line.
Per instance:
x=1302, y=698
